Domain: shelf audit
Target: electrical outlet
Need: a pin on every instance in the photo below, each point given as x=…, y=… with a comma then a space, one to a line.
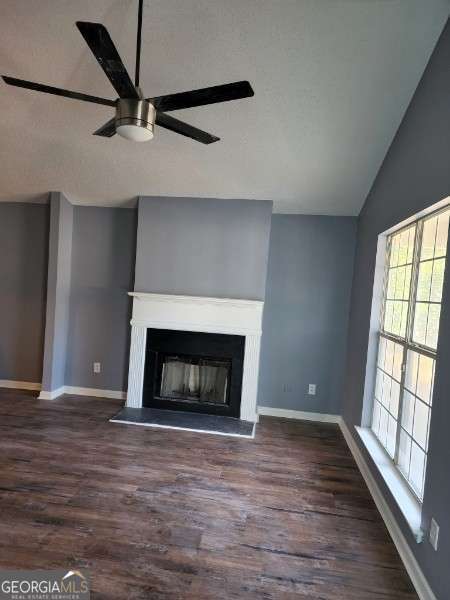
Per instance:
x=97, y=367
x=434, y=534
x=312, y=389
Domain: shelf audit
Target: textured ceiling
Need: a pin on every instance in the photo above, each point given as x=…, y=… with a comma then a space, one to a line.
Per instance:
x=332, y=80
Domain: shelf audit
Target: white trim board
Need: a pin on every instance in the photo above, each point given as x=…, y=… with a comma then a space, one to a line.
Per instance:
x=400, y=490
x=298, y=414
x=19, y=385
x=82, y=391
x=97, y=393
x=415, y=573
x=44, y=395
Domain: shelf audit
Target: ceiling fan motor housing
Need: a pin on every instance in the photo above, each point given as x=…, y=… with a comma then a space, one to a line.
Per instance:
x=135, y=119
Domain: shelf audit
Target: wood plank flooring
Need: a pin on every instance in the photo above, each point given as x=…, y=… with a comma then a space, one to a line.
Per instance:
x=159, y=514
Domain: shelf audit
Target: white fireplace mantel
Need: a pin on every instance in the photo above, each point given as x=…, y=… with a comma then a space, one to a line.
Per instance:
x=196, y=313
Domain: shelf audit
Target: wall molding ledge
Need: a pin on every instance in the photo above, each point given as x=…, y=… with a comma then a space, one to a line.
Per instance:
x=82, y=391
x=415, y=573
x=298, y=414
x=19, y=385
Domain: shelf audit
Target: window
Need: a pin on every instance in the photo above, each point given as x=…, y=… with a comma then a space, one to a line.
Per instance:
x=408, y=337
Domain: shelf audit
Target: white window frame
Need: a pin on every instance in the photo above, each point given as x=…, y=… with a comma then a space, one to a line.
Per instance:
x=406, y=342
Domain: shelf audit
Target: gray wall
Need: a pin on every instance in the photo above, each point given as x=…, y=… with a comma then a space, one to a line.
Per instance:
x=103, y=249
x=306, y=312
x=415, y=174
x=203, y=247
x=23, y=278
x=58, y=292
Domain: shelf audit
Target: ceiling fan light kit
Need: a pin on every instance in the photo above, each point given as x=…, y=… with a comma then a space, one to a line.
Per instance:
x=135, y=119
x=137, y=116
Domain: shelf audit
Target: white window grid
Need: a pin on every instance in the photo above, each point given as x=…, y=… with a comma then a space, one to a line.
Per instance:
x=406, y=435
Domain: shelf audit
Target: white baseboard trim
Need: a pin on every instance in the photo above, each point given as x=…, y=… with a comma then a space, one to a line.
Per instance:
x=298, y=414
x=82, y=391
x=418, y=579
x=44, y=395
x=97, y=393
x=19, y=385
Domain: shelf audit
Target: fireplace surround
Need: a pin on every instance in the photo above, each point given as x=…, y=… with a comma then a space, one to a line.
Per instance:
x=231, y=318
x=193, y=371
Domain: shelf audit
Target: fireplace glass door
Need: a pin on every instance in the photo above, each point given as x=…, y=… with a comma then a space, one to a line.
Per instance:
x=193, y=371
x=193, y=379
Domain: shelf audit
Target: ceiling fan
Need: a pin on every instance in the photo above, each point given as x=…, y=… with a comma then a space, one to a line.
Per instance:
x=136, y=116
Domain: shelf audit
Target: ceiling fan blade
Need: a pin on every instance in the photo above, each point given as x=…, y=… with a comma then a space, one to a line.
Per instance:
x=209, y=95
x=47, y=89
x=108, y=129
x=102, y=46
x=182, y=128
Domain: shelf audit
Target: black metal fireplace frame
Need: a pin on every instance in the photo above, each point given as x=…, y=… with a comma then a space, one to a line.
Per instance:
x=198, y=345
x=159, y=373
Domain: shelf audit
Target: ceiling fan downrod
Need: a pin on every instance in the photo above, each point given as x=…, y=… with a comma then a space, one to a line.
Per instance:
x=138, y=44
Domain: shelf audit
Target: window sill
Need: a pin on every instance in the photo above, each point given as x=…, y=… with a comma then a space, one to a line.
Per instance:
x=408, y=504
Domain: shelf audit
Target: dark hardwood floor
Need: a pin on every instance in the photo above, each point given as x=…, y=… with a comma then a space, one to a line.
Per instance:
x=158, y=514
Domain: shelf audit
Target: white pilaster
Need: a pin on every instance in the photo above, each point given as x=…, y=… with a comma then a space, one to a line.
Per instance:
x=136, y=370
x=250, y=378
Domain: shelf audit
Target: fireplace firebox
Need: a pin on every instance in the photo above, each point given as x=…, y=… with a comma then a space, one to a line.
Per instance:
x=193, y=371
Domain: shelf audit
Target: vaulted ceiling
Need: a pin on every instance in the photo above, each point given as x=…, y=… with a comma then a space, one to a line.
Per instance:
x=332, y=81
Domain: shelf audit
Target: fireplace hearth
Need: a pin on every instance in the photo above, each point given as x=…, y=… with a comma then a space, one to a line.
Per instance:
x=193, y=371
